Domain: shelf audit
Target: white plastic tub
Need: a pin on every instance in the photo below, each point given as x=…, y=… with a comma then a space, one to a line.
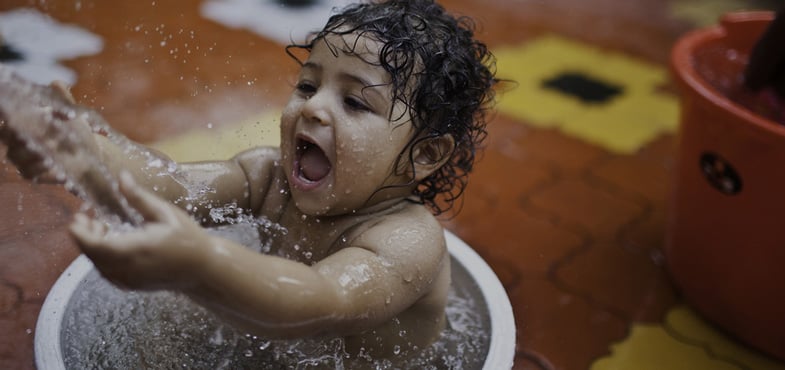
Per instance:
x=81, y=283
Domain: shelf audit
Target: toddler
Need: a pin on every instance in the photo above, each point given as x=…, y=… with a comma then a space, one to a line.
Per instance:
x=377, y=138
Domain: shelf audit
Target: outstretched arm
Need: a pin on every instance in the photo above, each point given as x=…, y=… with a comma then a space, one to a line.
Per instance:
x=52, y=138
x=351, y=291
x=196, y=186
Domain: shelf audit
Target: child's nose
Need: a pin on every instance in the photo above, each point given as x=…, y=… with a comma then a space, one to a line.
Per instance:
x=316, y=108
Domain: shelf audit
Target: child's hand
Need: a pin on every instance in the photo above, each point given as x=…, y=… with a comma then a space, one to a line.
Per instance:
x=164, y=253
x=32, y=133
x=31, y=164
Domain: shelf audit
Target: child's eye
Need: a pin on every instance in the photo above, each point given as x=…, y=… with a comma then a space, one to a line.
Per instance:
x=356, y=104
x=306, y=88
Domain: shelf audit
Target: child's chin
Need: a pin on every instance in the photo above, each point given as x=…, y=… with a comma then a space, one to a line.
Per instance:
x=313, y=207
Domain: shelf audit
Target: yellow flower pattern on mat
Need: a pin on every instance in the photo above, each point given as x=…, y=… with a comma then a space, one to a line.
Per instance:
x=685, y=342
x=623, y=124
x=219, y=144
x=688, y=324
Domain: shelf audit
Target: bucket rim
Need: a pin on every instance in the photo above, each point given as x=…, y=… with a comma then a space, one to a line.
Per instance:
x=687, y=76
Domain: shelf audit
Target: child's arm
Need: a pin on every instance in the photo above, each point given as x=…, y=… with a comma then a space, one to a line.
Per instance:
x=44, y=128
x=196, y=186
x=39, y=141
x=385, y=270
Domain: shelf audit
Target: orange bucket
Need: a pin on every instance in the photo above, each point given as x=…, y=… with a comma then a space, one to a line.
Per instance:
x=725, y=243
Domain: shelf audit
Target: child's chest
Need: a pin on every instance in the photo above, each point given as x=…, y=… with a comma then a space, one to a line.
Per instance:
x=306, y=239
x=286, y=232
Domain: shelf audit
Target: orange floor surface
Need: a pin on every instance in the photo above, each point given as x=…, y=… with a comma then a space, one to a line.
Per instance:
x=568, y=203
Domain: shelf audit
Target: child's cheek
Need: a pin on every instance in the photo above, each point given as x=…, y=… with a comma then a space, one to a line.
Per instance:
x=287, y=116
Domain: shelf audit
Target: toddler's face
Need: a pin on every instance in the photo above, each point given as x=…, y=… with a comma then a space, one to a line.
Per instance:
x=338, y=144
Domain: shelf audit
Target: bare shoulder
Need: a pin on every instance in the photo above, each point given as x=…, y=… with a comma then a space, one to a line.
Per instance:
x=259, y=167
x=258, y=160
x=410, y=237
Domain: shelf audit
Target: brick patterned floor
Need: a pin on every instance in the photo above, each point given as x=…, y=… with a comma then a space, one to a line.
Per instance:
x=573, y=234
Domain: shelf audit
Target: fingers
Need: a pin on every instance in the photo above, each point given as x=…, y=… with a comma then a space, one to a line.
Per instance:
x=150, y=206
x=32, y=145
x=87, y=230
x=97, y=241
x=30, y=163
x=91, y=237
x=62, y=89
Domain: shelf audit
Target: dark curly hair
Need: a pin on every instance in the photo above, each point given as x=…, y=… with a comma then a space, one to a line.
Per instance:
x=438, y=70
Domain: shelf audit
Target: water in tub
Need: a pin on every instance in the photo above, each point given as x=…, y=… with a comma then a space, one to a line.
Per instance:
x=105, y=327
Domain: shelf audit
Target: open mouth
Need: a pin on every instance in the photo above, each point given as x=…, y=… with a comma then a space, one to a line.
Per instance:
x=312, y=164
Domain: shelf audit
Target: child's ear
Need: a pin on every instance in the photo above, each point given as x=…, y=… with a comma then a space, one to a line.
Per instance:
x=430, y=154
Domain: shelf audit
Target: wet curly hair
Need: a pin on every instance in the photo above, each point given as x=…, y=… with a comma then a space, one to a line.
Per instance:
x=442, y=74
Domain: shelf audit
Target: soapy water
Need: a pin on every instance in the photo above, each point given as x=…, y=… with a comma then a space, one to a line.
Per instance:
x=105, y=327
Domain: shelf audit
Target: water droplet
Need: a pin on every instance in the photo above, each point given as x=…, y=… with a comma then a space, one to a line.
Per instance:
x=155, y=163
